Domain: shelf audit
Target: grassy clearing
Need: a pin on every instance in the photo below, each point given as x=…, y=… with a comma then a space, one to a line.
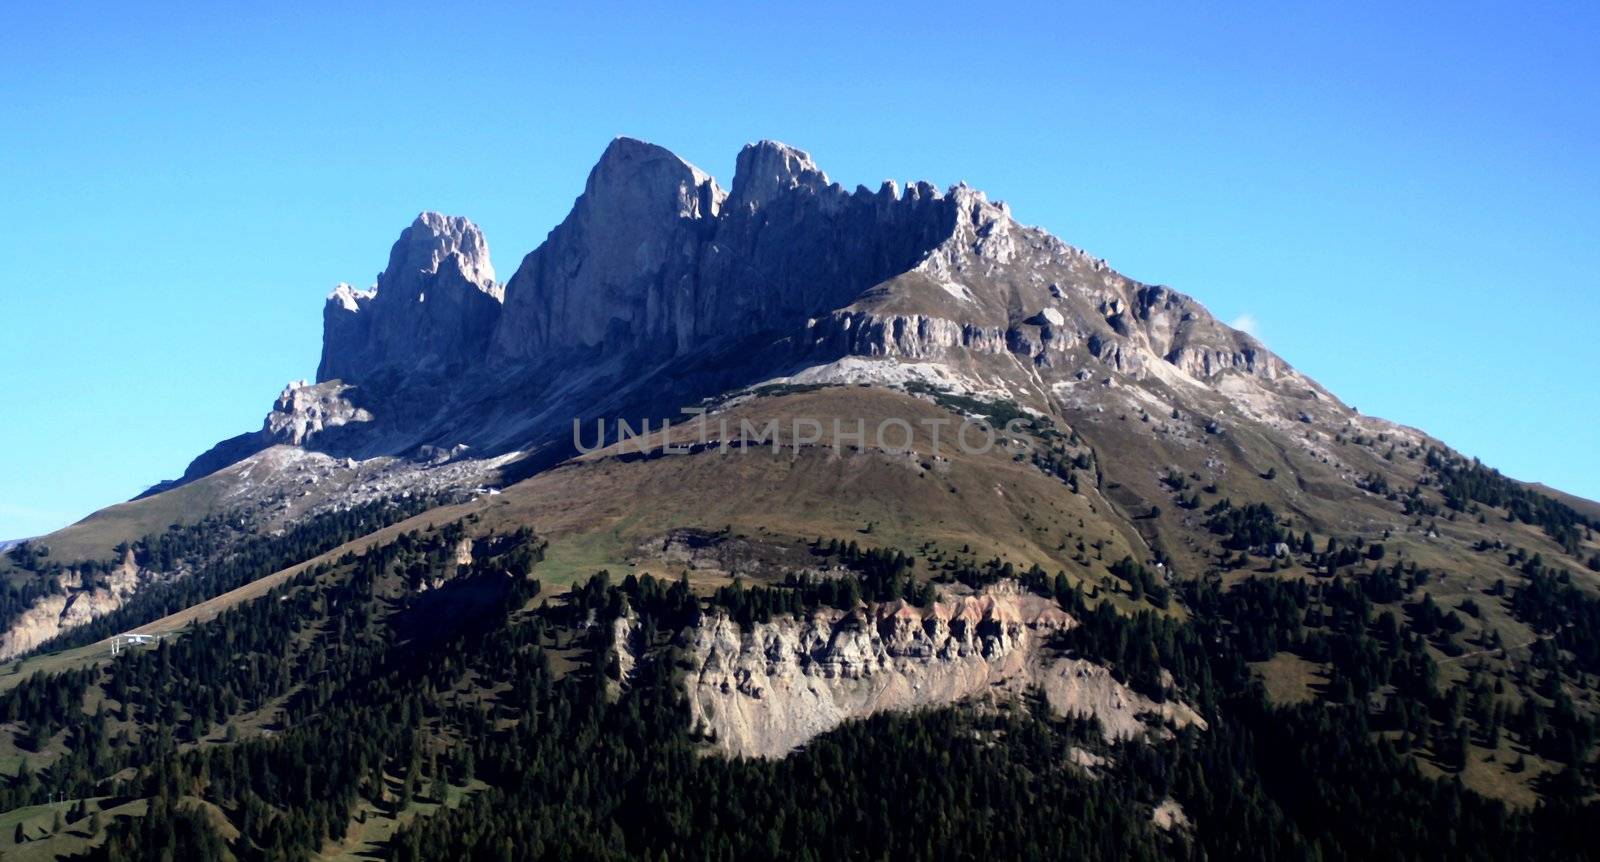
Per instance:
x=1289, y=678
x=15, y=671
x=605, y=510
x=37, y=821
x=372, y=828
x=94, y=537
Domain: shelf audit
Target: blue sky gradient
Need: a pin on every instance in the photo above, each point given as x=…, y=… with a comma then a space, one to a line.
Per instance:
x=1405, y=202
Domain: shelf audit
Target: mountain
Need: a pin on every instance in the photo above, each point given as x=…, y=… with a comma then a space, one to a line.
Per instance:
x=791, y=472
x=635, y=303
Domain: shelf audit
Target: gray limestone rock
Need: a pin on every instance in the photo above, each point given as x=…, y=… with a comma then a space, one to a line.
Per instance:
x=660, y=289
x=436, y=304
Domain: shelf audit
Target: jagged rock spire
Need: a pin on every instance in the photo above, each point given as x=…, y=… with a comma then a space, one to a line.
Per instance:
x=434, y=241
x=767, y=169
x=655, y=260
x=621, y=267
x=654, y=255
x=434, y=306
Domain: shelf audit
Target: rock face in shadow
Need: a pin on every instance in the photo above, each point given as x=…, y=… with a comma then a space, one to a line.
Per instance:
x=656, y=256
x=621, y=267
x=435, y=305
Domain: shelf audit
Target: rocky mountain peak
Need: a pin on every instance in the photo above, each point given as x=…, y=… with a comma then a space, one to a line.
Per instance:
x=635, y=180
x=620, y=269
x=434, y=307
x=349, y=297
x=656, y=267
x=655, y=260
x=655, y=256
x=432, y=241
x=766, y=169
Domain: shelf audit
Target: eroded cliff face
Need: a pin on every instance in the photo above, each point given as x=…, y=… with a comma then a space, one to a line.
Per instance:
x=80, y=601
x=655, y=256
x=621, y=266
x=765, y=691
x=435, y=306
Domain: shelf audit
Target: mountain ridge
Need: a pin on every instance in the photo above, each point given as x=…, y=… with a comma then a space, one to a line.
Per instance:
x=656, y=262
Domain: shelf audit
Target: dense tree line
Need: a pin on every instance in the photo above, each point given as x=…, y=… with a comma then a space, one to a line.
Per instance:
x=397, y=675
x=1243, y=528
x=1142, y=582
x=1464, y=482
x=218, y=567
x=1304, y=782
x=1552, y=605
x=303, y=649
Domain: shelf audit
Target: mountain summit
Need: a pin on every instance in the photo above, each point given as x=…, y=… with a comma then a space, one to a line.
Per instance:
x=636, y=301
x=436, y=303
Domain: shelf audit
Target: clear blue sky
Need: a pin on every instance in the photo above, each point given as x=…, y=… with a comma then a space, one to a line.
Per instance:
x=1407, y=203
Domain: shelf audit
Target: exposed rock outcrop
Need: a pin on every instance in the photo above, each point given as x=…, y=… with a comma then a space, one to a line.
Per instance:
x=434, y=306
x=622, y=267
x=764, y=691
x=302, y=413
x=908, y=336
x=305, y=410
x=79, y=601
x=656, y=256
